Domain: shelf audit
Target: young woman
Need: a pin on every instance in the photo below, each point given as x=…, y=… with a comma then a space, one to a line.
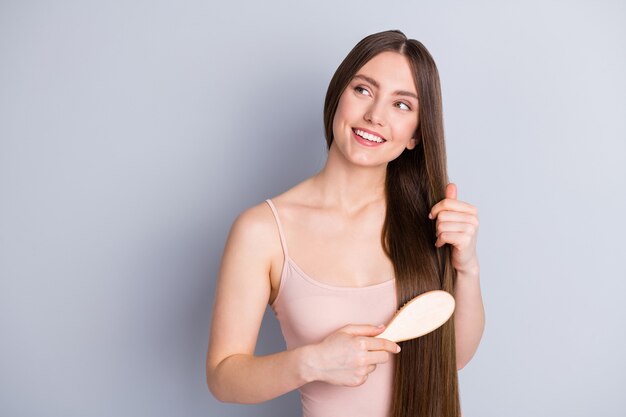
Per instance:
x=339, y=253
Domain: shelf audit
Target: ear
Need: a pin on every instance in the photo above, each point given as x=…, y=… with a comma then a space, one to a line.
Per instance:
x=412, y=143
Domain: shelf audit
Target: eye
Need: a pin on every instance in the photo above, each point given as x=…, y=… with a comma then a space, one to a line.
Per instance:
x=404, y=104
x=359, y=89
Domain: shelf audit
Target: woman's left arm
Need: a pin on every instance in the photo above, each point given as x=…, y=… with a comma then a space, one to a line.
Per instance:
x=457, y=225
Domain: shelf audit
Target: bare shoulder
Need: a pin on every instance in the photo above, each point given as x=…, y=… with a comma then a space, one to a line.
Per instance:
x=254, y=227
x=249, y=256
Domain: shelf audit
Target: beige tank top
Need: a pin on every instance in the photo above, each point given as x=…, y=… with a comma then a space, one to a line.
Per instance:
x=309, y=310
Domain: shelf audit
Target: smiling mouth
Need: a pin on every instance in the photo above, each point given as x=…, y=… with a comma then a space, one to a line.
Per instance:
x=368, y=136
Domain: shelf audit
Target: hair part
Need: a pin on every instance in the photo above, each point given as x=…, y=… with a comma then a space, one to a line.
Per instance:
x=426, y=377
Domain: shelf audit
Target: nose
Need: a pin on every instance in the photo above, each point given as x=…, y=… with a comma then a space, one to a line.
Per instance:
x=375, y=114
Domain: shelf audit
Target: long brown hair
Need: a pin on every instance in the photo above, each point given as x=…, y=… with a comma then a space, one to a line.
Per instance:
x=426, y=379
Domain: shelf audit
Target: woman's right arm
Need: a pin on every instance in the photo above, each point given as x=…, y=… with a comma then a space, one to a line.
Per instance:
x=234, y=373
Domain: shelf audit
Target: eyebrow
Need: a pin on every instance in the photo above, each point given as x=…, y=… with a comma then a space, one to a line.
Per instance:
x=375, y=84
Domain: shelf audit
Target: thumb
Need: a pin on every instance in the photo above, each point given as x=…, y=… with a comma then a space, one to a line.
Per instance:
x=451, y=191
x=363, y=329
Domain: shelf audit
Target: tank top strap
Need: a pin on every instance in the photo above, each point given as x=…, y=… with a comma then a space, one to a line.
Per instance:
x=283, y=242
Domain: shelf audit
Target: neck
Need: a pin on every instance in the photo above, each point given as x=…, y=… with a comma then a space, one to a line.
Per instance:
x=347, y=186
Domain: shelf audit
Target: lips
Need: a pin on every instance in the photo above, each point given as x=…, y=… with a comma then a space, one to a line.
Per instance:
x=369, y=134
x=367, y=142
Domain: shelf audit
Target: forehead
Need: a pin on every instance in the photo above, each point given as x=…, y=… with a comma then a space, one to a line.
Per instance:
x=391, y=70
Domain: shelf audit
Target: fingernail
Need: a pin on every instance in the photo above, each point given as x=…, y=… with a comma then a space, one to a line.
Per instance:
x=430, y=216
x=398, y=349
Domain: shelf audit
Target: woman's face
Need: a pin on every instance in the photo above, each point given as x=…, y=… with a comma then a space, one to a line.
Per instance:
x=381, y=104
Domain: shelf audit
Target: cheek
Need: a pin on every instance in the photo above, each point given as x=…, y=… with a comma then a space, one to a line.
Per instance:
x=404, y=127
x=342, y=106
x=336, y=120
x=340, y=113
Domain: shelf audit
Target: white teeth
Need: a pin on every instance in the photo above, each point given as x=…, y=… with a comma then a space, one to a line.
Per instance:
x=369, y=136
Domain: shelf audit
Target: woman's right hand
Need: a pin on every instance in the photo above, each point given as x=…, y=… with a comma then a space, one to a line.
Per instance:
x=349, y=355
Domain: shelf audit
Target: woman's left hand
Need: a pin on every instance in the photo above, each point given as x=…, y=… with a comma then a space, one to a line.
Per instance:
x=457, y=224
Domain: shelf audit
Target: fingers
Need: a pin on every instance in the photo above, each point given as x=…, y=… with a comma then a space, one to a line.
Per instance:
x=456, y=216
x=363, y=329
x=373, y=343
x=367, y=361
x=361, y=376
x=350, y=354
x=378, y=356
x=448, y=226
x=452, y=205
x=455, y=228
x=451, y=191
x=457, y=239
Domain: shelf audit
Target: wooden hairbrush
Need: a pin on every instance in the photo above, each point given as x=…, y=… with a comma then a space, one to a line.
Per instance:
x=419, y=316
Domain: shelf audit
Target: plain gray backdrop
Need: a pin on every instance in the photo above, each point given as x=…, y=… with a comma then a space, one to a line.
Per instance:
x=132, y=133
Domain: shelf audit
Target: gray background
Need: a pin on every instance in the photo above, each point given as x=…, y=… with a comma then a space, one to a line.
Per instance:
x=133, y=133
